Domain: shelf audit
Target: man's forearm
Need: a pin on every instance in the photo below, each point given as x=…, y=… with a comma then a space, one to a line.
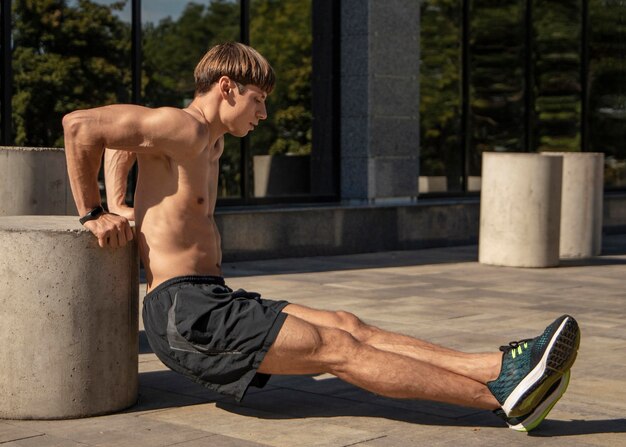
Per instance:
x=83, y=153
x=117, y=164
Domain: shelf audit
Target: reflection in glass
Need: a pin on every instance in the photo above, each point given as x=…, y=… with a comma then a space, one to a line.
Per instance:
x=496, y=70
x=441, y=166
x=66, y=56
x=557, y=28
x=2, y=117
x=607, y=91
x=175, y=37
x=281, y=146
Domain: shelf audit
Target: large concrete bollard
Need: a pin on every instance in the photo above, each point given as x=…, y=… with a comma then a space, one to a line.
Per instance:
x=581, y=204
x=34, y=181
x=520, y=209
x=69, y=313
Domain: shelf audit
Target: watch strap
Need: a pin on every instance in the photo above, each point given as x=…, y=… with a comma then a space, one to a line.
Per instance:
x=92, y=215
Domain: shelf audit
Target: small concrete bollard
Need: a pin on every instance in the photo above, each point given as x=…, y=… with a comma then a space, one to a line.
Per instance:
x=69, y=313
x=581, y=204
x=520, y=210
x=33, y=180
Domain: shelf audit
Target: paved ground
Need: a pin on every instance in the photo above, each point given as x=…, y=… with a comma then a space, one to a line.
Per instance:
x=442, y=295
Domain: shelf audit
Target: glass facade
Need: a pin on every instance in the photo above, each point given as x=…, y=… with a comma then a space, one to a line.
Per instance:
x=495, y=75
x=557, y=28
x=524, y=76
x=280, y=149
x=607, y=90
x=441, y=160
x=496, y=89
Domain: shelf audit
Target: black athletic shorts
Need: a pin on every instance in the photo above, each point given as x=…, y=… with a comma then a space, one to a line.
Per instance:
x=217, y=337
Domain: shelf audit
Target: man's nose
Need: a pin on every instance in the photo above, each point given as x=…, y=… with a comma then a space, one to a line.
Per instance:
x=262, y=113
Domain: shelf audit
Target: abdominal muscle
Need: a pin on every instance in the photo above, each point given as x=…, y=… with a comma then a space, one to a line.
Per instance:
x=176, y=230
x=190, y=248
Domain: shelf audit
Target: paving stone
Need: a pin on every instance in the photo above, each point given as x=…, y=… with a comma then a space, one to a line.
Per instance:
x=44, y=441
x=442, y=295
x=11, y=432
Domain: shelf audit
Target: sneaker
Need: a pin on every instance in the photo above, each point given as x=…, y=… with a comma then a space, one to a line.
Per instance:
x=531, y=420
x=530, y=367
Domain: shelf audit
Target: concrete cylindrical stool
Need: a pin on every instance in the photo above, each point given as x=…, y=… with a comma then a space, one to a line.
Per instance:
x=581, y=204
x=520, y=209
x=34, y=180
x=69, y=313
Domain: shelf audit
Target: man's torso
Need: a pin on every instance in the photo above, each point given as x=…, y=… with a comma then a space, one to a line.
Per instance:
x=174, y=207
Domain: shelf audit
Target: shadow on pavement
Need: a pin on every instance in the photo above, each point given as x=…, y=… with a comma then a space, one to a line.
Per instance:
x=579, y=427
x=299, y=397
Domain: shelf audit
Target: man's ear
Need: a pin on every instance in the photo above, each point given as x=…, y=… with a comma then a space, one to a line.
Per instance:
x=224, y=83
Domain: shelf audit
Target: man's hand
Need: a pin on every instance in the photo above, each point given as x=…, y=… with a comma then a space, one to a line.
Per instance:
x=111, y=230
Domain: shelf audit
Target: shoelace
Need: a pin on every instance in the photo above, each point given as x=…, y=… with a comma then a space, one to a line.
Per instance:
x=515, y=347
x=514, y=344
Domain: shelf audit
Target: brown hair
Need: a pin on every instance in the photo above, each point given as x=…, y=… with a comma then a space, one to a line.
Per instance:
x=241, y=63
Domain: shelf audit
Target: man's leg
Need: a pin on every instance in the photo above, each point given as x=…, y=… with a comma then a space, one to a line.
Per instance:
x=305, y=348
x=481, y=367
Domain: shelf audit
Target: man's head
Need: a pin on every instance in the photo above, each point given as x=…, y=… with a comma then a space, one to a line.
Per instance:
x=239, y=62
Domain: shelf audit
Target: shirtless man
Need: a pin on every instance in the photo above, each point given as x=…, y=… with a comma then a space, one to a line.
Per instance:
x=229, y=340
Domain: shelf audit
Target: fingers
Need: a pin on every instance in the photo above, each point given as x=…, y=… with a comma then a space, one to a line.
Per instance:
x=112, y=231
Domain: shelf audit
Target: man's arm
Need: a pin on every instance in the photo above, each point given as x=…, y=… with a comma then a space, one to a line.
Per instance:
x=164, y=131
x=117, y=165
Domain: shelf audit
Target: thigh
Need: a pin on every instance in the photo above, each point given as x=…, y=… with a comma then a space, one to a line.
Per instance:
x=324, y=318
x=340, y=319
x=296, y=349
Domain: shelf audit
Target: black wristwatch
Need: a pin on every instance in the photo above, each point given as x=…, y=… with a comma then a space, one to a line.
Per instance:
x=91, y=215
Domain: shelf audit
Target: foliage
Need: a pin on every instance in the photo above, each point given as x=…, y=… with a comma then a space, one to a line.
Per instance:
x=281, y=31
x=498, y=70
x=65, y=58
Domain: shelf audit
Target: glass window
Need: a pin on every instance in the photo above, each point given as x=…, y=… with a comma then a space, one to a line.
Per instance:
x=67, y=56
x=497, y=63
x=4, y=140
x=176, y=34
x=281, y=147
x=557, y=37
x=607, y=91
x=441, y=145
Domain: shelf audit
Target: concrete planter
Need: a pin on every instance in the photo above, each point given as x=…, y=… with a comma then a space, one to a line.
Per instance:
x=33, y=181
x=581, y=204
x=281, y=175
x=69, y=313
x=520, y=210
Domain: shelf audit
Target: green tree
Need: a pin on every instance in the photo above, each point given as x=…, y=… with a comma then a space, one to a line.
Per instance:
x=65, y=58
x=173, y=48
x=281, y=31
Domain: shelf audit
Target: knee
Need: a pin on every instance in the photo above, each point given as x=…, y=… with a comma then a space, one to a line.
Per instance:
x=354, y=326
x=336, y=347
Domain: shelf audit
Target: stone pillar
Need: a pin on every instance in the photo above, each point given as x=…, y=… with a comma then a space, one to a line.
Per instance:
x=34, y=181
x=69, y=313
x=520, y=209
x=581, y=204
x=379, y=99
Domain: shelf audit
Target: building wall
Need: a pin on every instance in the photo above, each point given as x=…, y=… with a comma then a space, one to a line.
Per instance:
x=379, y=99
x=251, y=234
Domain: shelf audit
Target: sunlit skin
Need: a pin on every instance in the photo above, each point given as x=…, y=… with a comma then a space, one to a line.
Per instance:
x=178, y=153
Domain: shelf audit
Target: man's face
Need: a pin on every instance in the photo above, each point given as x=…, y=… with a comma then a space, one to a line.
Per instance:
x=248, y=109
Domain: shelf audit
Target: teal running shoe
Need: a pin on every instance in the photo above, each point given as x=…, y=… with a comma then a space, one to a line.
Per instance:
x=531, y=367
x=531, y=420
